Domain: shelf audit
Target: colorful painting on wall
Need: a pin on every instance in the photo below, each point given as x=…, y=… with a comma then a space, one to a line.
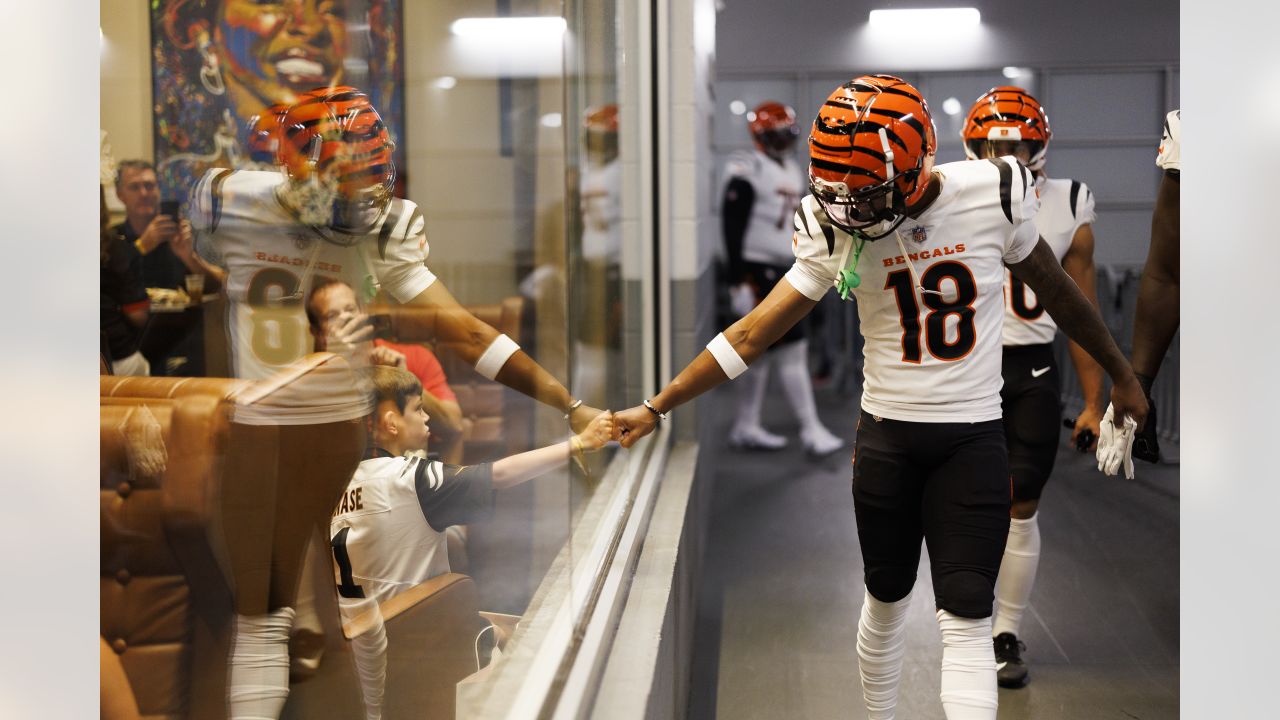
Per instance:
x=216, y=64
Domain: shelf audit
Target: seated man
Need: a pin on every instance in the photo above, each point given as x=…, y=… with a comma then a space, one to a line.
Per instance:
x=388, y=529
x=332, y=304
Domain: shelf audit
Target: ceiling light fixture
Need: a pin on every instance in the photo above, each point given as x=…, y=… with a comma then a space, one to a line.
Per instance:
x=514, y=28
x=925, y=20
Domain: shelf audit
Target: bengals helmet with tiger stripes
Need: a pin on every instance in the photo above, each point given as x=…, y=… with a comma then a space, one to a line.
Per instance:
x=871, y=152
x=336, y=150
x=773, y=127
x=1007, y=114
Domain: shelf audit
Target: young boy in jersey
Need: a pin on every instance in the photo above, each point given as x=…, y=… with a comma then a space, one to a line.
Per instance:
x=1009, y=121
x=388, y=529
x=924, y=250
x=761, y=193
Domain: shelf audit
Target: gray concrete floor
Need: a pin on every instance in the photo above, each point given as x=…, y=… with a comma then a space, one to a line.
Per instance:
x=783, y=589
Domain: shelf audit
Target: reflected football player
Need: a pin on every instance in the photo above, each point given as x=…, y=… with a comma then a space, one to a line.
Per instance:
x=1009, y=121
x=330, y=214
x=924, y=249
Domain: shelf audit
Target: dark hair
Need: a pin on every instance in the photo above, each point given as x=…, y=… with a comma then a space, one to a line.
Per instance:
x=132, y=165
x=394, y=384
x=321, y=283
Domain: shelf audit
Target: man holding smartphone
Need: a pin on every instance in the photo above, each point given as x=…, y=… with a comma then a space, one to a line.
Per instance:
x=157, y=231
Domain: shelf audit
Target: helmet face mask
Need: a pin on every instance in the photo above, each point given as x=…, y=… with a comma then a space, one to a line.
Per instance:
x=871, y=154
x=337, y=155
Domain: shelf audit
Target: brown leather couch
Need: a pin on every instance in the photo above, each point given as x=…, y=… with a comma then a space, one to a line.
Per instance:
x=165, y=606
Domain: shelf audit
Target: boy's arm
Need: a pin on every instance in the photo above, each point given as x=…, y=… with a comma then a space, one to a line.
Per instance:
x=516, y=469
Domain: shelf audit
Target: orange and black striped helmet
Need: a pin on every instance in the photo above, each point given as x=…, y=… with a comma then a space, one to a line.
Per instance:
x=601, y=118
x=263, y=141
x=1007, y=114
x=336, y=134
x=870, y=153
x=773, y=126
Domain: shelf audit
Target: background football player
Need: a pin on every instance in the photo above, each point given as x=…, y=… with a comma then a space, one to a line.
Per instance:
x=1156, y=318
x=1009, y=121
x=924, y=248
x=330, y=214
x=763, y=188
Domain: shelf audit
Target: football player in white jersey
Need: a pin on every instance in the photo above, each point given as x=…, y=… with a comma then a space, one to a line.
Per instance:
x=1156, y=318
x=924, y=248
x=330, y=214
x=388, y=528
x=1009, y=121
x=763, y=187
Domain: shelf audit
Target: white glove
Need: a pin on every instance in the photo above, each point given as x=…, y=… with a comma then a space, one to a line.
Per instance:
x=742, y=299
x=1115, y=447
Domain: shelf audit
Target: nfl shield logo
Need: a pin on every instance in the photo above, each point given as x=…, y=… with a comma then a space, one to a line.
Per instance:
x=919, y=235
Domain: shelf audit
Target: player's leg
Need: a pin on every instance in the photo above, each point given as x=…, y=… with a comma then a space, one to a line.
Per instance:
x=1032, y=411
x=797, y=385
x=966, y=518
x=747, y=431
x=886, y=501
x=370, y=651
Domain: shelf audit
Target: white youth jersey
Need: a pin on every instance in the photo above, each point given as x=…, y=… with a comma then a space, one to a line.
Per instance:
x=931, y=358
x=600, y=195
x=778, y=188
x=273, y=260
x=387, y=531
x=1065, y=205
x=1169, y=156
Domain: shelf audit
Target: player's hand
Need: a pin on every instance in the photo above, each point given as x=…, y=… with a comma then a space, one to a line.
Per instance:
x=1115, y=444
x=742, y=299
x=581, y=417
x=598, y=432
x=1129, y=400
x=1090, y=420
x=382, y=355
x=348, y=331
x=632, y=424
x=161, y=229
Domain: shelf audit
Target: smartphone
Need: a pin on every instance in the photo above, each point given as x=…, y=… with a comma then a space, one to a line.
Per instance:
x=171, y=208
x=381, y=326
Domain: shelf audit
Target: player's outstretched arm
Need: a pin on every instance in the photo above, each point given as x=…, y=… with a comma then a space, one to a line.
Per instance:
x=1156, y=319
x=1078, y=263
x=496, y=356
x=511, y=471
x=1082, y=323
x=746, y=340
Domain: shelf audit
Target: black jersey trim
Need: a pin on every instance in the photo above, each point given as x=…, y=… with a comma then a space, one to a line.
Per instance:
x=1006, y=186
x=1075, y=194
x=828, y=232
x=215, y=192
x=384, y=233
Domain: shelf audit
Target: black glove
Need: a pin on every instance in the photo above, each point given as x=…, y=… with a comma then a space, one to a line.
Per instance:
x=1146, y=444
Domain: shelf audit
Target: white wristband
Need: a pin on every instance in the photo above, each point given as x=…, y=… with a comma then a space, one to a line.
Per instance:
x=495, y=356
x=730, y=361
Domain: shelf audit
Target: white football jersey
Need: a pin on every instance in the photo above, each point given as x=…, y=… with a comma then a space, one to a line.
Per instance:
x=931, y=358
x=272, y=260
x=1065, y=205
x=1169, y=157
x=387, y=531
x=600, y=195
x=778, y=189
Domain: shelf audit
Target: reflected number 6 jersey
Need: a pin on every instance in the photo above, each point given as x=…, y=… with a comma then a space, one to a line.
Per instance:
x=931, y=356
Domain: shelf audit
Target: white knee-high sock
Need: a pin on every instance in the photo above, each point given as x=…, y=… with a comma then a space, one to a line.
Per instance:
x=258, y=682
x=793, y=371
x=968, y=668
x=370, y=650
x=881, y=644
x=1017, y=574
x=751, y=388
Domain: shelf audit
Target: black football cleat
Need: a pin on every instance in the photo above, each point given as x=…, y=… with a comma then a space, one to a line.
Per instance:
x=1011, y=671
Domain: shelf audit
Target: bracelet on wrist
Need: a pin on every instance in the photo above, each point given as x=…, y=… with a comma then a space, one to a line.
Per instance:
x=138, y=244
x=574, y=406
x=649, y=406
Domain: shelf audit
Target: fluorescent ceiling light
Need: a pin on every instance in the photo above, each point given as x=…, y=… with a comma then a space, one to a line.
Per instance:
x=1013, y=73
x=508, y=27
x=552, y=120
x=926, y=20
x=737, y=107
x=951, y=106
x=447, y=82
